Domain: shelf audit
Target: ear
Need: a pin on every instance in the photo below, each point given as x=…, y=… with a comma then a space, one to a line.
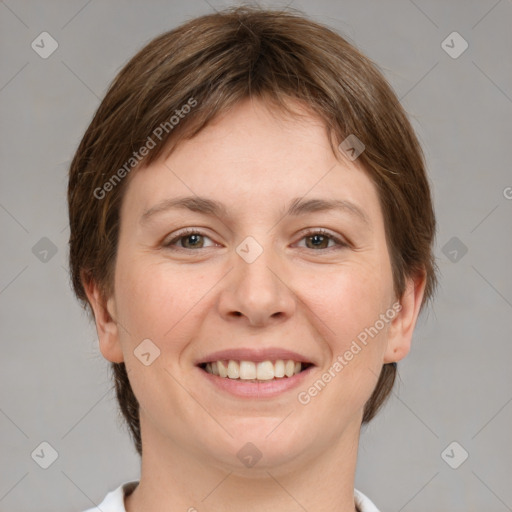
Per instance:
x=105, y=319
x=402, y=326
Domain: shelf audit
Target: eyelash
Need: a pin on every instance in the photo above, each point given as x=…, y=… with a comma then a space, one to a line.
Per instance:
x=191, y=231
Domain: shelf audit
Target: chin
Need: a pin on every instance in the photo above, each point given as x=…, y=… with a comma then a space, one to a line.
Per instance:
x=258, y=444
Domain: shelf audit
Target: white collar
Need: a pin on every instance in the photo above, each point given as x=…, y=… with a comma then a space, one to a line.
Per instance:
x=114, y=500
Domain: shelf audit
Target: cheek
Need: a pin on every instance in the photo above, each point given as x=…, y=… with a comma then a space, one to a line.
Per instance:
x=351, y=305
x=347, y=301
x=142, y=305
x=156, y=300
x=156, y=303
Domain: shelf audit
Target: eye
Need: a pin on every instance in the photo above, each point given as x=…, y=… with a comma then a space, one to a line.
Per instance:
x=191, y=239
x=320, y=239
x=187, y=239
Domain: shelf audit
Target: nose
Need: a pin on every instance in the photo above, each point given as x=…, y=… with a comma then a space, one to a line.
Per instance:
x=258, y=292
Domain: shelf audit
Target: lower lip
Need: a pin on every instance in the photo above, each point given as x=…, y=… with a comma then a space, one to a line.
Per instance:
x=263, y=389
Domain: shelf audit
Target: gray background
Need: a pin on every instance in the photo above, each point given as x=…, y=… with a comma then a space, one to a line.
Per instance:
x=456, y=385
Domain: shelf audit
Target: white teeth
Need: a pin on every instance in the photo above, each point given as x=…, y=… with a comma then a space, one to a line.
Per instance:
x=223, y=369
x=233, y=370
x=289, y=368
x=279, y=368
x=265, y=370
x=249, y=370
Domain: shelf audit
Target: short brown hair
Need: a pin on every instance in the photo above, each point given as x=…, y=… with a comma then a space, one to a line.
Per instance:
x=218, y=60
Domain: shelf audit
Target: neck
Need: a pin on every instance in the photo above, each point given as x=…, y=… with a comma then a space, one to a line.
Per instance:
x=174, y=478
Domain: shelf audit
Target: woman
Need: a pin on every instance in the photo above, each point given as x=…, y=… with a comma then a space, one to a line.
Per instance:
x=252, y=229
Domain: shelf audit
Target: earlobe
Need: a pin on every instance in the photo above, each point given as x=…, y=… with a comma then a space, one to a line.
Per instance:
x=106, y=325
x=402, y=327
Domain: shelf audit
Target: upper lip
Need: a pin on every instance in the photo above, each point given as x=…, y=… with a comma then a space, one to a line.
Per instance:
x=253, y=354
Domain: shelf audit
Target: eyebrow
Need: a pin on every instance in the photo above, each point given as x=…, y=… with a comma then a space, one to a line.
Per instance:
x=298, y=206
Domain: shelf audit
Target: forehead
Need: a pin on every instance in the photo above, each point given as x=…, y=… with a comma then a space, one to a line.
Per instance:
x=252, y=157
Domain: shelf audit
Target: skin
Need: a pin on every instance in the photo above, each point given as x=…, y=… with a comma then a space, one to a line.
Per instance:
x=189, y=302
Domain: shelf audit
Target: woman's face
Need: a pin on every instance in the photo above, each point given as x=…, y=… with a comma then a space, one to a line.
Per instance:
x=253, y=280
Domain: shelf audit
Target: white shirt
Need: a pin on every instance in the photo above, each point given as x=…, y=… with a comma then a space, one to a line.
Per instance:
x=114, y=500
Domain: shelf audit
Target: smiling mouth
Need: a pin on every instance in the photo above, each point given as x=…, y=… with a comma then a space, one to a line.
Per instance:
x=251, y=371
